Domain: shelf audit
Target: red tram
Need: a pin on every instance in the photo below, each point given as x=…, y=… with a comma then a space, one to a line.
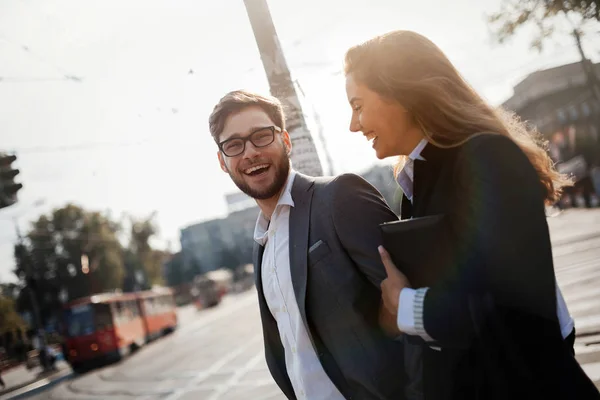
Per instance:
x=108, y=326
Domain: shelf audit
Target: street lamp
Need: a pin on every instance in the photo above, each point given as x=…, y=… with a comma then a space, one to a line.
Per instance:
x=85, y=264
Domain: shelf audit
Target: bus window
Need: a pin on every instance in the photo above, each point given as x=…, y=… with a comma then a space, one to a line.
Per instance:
x=119, y=314
x=103, y=317
x=150, y=306
x=134, y=309
x=80, y=320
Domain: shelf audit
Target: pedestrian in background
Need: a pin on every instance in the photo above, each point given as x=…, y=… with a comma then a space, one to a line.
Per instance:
x=2, y=360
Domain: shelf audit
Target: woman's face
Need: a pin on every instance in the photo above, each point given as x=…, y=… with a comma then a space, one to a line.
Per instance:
x=384, y=121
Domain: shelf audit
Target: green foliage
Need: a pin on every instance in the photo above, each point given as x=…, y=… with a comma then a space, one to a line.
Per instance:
x=142, y=257
x=514, y=14
x=10, y=321
x=49, y=259
x=78, y=252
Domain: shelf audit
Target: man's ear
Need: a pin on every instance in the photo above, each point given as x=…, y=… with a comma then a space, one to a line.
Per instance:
x=222, y=162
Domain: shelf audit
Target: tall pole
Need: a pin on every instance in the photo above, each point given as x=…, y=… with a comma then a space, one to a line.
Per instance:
x=588, y=68
x=304, y=153
x=317, y=117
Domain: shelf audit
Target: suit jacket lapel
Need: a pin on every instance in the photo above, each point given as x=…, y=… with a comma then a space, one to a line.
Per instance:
x=406, y=209
x=257, y=256
x=425, y=177
x=302, y=191
x=423, y=181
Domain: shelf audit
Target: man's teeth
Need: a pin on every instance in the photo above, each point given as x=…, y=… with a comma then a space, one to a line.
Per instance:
x=371, y=136
x=256, y=168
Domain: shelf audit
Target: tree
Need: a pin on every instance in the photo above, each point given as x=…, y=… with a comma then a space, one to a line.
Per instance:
x=544, y=14
x=10, y=321
x=72, y=251
x=141, y=257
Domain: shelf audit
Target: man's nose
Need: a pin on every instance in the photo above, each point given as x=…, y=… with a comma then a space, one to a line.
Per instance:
x=251, y=151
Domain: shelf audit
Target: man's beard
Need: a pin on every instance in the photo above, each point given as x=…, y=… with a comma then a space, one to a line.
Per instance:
x=282, y=169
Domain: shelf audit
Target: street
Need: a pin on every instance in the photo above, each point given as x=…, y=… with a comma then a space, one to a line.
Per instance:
x=217, y=354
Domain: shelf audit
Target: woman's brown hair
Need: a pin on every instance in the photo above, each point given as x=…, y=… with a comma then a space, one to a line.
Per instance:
x=409, y=68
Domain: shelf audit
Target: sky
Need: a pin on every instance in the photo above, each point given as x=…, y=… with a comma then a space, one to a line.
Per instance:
x=130, y=136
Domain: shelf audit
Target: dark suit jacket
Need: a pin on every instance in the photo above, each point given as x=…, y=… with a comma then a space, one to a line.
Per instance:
x=494, y=310
x=337, y=287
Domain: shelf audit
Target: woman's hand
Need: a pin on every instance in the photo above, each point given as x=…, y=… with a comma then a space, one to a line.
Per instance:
x=388, y=322
x=393, y=284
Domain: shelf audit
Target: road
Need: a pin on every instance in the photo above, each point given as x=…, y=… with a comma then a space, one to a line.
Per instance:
x=217, y=354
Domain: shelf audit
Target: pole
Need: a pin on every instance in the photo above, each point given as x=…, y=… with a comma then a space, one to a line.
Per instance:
x=588, y=68
x=320, y=130
x=304, y=153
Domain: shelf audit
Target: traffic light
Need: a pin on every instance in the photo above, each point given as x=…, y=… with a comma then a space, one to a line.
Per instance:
x=8, y=187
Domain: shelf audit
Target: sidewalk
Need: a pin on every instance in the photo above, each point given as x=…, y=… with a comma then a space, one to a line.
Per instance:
x=20, y=377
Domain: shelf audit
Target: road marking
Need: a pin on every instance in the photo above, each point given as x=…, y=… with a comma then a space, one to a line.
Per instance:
x=593, y=371
x=578, y=279
x=217, y=365
x=240, y=303
x=234, y=380
x=587, y=322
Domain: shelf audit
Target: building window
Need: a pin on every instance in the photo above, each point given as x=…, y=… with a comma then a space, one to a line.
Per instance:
x=560, y=114
x=573, y=113
x=585, y=109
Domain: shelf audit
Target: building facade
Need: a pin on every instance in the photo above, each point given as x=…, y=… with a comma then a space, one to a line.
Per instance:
x=562, y=105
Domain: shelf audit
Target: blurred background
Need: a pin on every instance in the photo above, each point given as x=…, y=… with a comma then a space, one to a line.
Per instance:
x=115, y=218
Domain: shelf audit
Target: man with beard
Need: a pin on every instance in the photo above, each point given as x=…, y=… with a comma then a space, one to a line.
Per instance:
x=317, y=269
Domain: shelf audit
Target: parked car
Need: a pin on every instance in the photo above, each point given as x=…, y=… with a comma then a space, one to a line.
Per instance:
x=205, y=292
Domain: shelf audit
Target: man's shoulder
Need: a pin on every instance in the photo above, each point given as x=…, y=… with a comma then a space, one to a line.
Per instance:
x=339, y=181
x=344, y=188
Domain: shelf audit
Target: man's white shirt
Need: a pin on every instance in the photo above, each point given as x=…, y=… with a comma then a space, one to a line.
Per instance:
x=304, y=369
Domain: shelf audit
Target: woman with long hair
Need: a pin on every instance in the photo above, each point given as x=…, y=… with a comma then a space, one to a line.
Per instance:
x=493, y=324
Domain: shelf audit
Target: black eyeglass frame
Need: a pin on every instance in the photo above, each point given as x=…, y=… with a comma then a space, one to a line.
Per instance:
x=248, y=138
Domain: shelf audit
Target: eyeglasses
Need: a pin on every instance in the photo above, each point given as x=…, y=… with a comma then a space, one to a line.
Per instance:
x=260, y=138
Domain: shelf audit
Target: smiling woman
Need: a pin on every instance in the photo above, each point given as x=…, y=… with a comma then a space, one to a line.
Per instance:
x=493, y=287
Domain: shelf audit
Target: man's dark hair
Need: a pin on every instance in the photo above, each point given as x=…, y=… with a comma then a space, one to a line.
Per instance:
x=237, y=100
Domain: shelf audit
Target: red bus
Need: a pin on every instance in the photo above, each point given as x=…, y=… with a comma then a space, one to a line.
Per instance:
x=158, y=312
x=108, y=326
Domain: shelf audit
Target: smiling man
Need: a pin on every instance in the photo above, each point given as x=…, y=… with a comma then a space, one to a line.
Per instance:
x=317, y=269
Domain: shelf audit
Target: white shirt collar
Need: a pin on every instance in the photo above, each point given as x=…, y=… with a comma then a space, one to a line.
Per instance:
x=406, y=176
x=416, y=153
x=285, y=199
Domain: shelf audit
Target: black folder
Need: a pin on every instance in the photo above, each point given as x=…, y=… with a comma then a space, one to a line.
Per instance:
x=419, y=247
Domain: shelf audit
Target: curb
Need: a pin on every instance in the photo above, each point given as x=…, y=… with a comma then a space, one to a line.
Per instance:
x=38, y=385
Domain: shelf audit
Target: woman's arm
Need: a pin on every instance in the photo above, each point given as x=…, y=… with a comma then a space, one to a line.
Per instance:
x=500, y=253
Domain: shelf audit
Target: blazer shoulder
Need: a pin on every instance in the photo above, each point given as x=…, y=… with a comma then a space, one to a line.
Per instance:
x=491, y=149
x=349, y=179
x=494, y=158
x=489, y=142
x=349, y=183
x=334, y=183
